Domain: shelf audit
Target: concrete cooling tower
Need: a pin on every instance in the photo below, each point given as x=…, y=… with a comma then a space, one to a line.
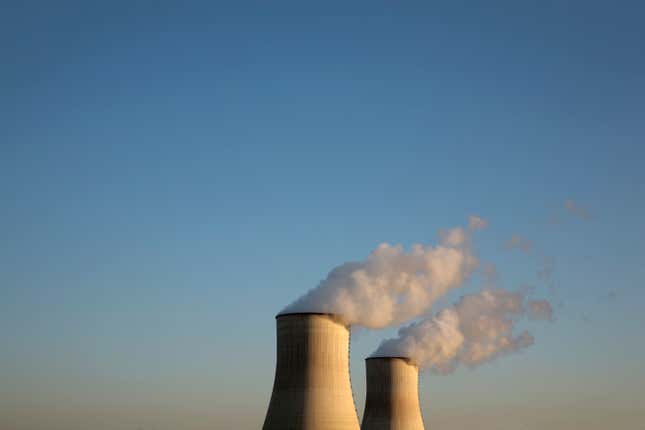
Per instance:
x=312, y=388
x=392, y=401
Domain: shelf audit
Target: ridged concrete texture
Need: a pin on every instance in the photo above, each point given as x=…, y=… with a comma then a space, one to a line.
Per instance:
x=392, y=400
x=312, y=389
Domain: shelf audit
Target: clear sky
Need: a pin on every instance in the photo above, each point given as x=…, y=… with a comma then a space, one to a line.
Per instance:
x=172, y=175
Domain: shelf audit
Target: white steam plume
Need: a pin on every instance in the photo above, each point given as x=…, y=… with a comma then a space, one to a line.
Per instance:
x=478, y=328
x=394, y=285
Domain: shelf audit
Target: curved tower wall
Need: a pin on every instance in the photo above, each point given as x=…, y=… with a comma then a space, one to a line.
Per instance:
x=392, y=400
x=312, y=389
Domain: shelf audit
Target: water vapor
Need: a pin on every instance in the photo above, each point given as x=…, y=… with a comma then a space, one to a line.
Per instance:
x=476, y=223
x=394, y=285
x=540, y=310
x=546, y=263
x=476, y=329
x=519, y=242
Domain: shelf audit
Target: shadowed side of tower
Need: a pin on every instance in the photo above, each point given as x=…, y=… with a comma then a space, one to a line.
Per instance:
x=392, y=401
x=312, y=389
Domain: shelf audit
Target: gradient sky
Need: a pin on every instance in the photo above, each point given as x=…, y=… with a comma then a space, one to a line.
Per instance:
x=172, y=175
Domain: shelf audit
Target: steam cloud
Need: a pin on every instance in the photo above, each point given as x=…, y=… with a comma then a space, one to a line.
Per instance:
x=546, y=263
x=478, y=328
x=393, y=285
x=540, y=310
x=477, y=223
x=520, y=242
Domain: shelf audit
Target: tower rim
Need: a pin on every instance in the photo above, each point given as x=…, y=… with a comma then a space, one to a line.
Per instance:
x=285, y=314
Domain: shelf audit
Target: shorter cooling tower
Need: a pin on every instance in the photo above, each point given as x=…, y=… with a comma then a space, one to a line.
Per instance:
x=392, y=401
x=312, y=389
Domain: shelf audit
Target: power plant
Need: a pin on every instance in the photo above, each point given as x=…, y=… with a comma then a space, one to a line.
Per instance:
x=392, y=401
x=312, y=388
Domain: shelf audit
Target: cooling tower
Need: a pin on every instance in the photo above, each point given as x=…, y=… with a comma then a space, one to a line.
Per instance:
x=312, y=389
x=392, y=401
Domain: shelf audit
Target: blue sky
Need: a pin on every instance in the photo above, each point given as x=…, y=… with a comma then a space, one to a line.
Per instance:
x=173, y=174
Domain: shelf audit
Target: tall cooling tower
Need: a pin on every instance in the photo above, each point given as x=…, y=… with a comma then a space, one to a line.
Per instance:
x=392, y=401
x=312, y=389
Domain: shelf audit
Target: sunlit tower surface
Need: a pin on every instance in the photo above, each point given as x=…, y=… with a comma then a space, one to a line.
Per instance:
x=392, y=400
x=312, y=388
